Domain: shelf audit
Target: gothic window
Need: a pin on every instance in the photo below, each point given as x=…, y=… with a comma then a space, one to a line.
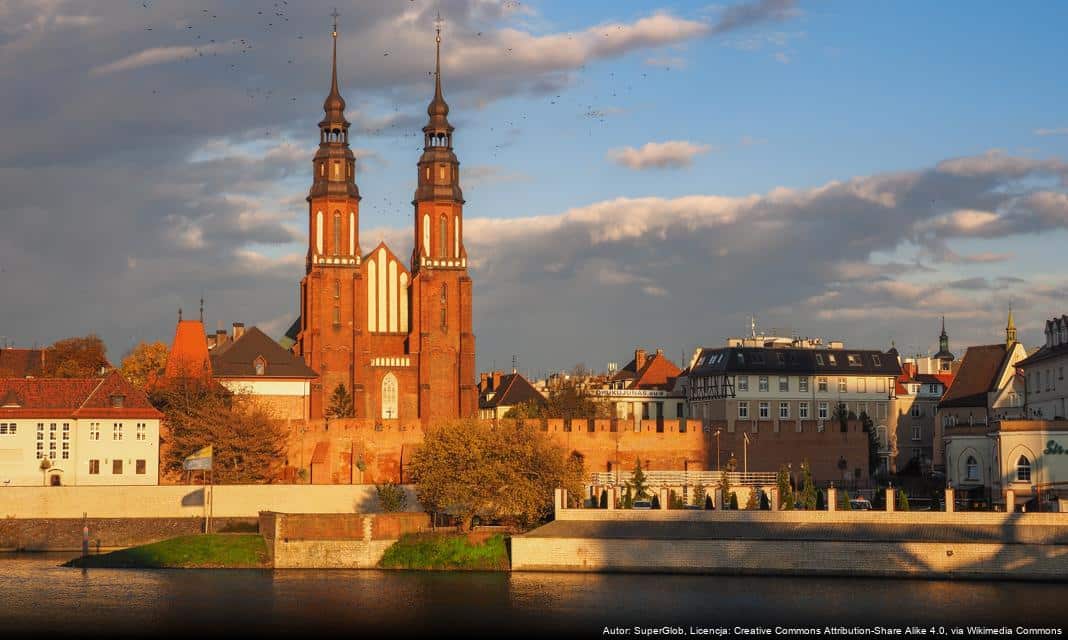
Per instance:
x=971, y=469
x=1023, y=469
x=337, y=233
x=443, y=237
x=337, y=317
x=261, y=366
x=337, y=289
x=389, y=397
x=444, y=307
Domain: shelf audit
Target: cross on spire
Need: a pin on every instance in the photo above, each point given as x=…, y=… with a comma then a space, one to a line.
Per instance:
x=335, y=15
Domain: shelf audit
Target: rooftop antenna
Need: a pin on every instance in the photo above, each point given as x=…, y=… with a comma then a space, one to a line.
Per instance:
x=201, y=308
x=752, y=324
x=515, y=360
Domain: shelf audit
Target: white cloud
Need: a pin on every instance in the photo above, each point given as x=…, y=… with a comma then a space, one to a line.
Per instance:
x=671, y=154
x=1060, y=131
x=154, y=56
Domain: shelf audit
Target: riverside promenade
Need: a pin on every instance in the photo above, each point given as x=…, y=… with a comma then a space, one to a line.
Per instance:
x=906, y=544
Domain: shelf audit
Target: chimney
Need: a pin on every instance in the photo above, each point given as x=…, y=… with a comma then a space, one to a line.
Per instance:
x=239, y=330
x=639, y=359
x=497, y=375
x=483, y=381
x=220, y=337
x=659, y=352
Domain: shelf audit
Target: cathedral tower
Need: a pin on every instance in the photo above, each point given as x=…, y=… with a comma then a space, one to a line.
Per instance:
x=329, y=289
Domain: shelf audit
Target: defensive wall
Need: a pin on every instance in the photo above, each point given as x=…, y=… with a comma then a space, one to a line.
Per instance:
x=927, y=544
x=334, y=541
x=350, y=450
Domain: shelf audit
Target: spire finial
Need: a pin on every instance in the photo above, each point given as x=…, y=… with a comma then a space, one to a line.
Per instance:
x=202, y=309
x=437, y=59
x=333, y=71
x=179, y=314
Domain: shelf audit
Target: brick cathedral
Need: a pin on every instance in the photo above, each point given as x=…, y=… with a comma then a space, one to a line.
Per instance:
x=397, y=337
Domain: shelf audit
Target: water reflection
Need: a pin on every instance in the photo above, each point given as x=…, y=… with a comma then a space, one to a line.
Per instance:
x=37, y=596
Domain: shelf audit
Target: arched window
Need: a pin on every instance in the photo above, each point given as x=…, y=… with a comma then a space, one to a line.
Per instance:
x=337, y=233
x=1023, y=469
x=443, y=237
x=261, y=366
x=444, y=307
x=337, y=288
x=389, y=397
x=337, y=317
x=971, y=469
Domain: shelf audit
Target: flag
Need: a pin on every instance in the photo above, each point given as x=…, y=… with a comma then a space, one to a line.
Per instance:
x=199, y=461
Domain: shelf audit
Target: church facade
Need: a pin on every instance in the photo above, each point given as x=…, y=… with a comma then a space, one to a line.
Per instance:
x=398, y=337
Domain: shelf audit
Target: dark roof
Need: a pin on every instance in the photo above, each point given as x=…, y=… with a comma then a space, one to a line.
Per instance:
x=1046, y=352
x=976, y=377
x=238, y=359
x=934, y=378
x=773, y=360
x=513, y=390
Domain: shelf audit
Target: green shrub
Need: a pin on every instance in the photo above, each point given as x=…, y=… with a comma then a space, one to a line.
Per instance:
x=446, y=551
x=391, y=497
x=902, y=500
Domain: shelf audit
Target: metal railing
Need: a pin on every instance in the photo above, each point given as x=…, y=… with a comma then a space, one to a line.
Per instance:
x=684, y=478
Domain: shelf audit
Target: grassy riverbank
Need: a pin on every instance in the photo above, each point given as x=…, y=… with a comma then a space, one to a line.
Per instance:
x=437, y=551
x=207, y=551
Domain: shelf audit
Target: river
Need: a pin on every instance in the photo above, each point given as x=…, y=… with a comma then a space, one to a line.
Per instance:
x=40, y=597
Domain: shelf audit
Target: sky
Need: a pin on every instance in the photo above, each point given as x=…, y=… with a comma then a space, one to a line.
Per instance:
x=636, y=173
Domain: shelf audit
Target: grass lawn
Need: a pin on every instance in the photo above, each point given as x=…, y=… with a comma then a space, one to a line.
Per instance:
x=208, y=551
x=447, y=551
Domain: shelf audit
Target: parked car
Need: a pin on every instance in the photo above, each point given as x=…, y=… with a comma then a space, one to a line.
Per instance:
x=860, y=504
x=642, y=504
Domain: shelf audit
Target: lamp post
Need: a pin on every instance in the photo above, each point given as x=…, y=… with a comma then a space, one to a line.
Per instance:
x=718, y=431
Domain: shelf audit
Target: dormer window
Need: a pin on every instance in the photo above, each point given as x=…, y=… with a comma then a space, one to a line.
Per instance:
x=118, y=401
x=819, y=359
x=260, y=366
x=854, y=360
x=831, y=358
x=878, y=361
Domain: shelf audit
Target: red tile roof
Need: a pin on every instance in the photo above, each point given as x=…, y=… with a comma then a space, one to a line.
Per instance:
x=73, y=398
x=19, y=363
x=658, y=373
x=188, y=357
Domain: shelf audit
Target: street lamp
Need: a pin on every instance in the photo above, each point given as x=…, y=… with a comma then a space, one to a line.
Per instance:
x=717, y=433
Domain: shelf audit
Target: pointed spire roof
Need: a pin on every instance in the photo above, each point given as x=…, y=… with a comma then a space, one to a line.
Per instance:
x=438, y=109
x=334, y=105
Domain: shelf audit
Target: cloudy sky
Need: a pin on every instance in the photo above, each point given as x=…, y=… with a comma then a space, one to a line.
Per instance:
x=635, y=173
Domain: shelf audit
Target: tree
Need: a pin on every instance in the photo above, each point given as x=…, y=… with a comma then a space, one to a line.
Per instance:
x=808, y=490
x=655, y=502
x=786, y=493
x=841, y=414
x=734, y=501
x=752, y=502
x=821, y=503
x=845, y=503
x=143, y=362
x=902, y=500
x=391, y=497
x=725, y=480
x=75, y=358
x=765, y=503
x=340, y=403
x=675, y=501
x=248, y=444
x=638, y=482
x=470, y=468
x=628, y=498
x=709, y=505
x=873, y=443
x=699, y=493
x=603, y=503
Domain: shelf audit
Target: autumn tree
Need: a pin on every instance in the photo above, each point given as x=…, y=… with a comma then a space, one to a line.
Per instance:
x=752, y=503
x=143, y=362
x=248, y=444
x=808, y=487
x=471, y=468
x=82, y=357
x=638, y=484
x=786, y=492
x=340, y=403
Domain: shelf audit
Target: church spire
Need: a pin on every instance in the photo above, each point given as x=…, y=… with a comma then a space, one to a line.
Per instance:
x=438, y=129
x=1010, y=330
x=334, y=105
x=334, y=163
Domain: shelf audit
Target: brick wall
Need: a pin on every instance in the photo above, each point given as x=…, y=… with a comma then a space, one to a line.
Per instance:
x=335, y=541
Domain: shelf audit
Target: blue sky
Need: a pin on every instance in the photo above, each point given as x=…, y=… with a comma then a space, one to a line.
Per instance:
x=844, y=169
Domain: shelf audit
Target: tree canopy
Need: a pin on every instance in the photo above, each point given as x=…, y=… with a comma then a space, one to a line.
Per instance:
x=471, y=468
x=340, y=403
x=143, y=362
x=82, y=357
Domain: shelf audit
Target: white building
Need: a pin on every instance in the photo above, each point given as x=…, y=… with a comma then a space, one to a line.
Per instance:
x=1046, y=388
x=77, y=431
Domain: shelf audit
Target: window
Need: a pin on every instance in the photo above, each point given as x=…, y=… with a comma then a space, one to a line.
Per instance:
x=1023, y=469
x=832, y=359
x=261, y=368
x=763, y=382
x=802, y=384
x=781, y=357
x=66, y=431
x=862, y=385
x=915, y=432
x=443, y=237
x=843, y=386
x=743, y=383
x=971, y=469
x=680, y=410
x=66, y=451
x=819, y=359
x=854, y=360
x=444, y=306
x=802, y=411
x=784, y=383
x=337, y=289
x=743, y=410
x=337, y=316
x=821, y=384
x=765, y=411
x=140, y=467
x=916, y=413
x=784, y=410
x=823, y=411
x=117, y=401
x=116, y=431
x=877, y=360
x=94, y=467
x=116, y=467
x=7, y=429
x=94, y=430
x=645, y=411
x=142, y=429
x=389, y=397
x=40, y=449
x=337, y=229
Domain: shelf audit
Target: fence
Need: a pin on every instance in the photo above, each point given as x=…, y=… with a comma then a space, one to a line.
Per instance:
x=685, y=478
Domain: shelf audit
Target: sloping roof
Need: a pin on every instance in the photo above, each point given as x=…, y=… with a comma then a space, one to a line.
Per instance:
x=514, y=389
x=19, y=363
x=658, y=373
x=238, y=359
x=1046, y=351
x=74, y=398
x=795, y=360
x=978, y=375
x=944, y=379
x=188, y=357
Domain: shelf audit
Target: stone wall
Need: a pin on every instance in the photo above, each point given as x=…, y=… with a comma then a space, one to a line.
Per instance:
x=335, y=541
x=188, y=501
x=65, y=534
